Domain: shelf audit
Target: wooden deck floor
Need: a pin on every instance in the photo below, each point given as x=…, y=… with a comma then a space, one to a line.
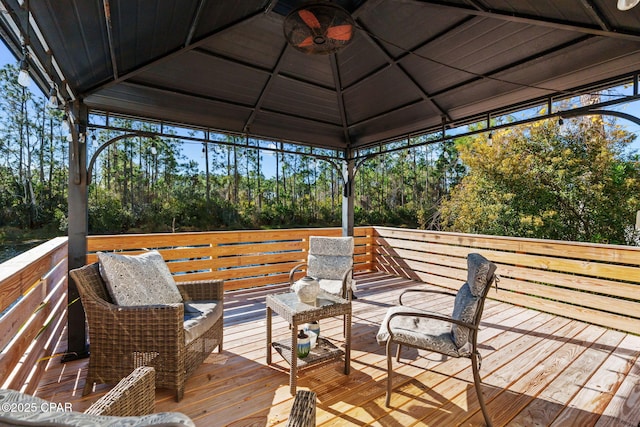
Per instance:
x=537, y=369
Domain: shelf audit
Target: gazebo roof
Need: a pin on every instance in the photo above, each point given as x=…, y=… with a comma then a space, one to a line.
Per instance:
x=412, y=65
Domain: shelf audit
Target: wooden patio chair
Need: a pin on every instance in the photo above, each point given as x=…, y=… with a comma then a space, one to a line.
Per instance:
x=123, y=338
x=130, y=402
x=452, y=335
x=330, y=262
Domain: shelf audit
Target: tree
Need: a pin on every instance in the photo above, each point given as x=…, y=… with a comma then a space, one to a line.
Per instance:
x=543, y=181
x=33, y=152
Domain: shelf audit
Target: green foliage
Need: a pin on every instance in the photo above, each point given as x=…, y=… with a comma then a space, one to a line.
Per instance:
x=545, y=182
x=33, y=175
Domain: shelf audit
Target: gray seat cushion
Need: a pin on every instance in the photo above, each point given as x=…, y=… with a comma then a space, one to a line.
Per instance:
x=337, y=246
x=328, y=260
x=199, y=317
x=425, y=333
x=33, y=411
x=480, y=271
x=134, y=280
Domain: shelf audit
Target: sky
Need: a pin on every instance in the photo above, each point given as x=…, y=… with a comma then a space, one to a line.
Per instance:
x=194, y=150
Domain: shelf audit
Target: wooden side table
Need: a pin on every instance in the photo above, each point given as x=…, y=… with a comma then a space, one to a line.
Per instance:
x=297, y=313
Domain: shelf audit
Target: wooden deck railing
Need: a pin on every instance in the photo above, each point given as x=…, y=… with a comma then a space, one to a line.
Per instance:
x=598, y=284
x=33, y=307
x=243, y=259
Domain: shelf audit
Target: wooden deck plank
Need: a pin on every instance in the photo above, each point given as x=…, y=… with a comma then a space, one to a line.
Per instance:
x=592, y=398
x=537, y=369
x=510, y=348
x=518, y=382
x=568, y=369
x=623, y=408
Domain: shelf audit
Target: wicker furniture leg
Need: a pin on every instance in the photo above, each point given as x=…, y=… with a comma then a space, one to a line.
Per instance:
x=347, y=344
x=269, y=314
x=294, y=359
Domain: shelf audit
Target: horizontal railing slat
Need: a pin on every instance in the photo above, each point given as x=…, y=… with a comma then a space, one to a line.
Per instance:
x=564, y=309
x=27, y=268
x=12, y=354
x=34, y=283
x=55, y=307
x=50, y=339
x=586, y=299
x=572, y=281
x=240, y=256
x=583, y=267
x=589, y=282
x=13, y=320
x=568, y=280
x=615, y=254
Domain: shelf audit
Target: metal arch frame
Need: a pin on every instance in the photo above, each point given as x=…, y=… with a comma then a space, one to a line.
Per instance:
x=599, y=112
x=113, y=140
x=584, y=111
x=358, y=161
x=207, y=140
x=346, y=171
x=597, y=109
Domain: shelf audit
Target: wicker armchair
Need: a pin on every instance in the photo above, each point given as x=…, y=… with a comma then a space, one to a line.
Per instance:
x=130, y=403
x=134, y=395
x=124, y=338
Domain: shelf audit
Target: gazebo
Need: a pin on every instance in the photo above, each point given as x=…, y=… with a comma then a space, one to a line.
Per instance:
x=350, y=79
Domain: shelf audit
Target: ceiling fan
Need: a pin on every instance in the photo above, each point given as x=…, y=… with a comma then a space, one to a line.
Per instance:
x=319, y=28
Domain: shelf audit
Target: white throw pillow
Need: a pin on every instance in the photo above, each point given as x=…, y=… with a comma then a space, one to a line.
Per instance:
x=141, y=279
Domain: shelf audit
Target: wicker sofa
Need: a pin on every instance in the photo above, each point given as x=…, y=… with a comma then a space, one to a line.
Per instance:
x=130, y=403
x=123, y=338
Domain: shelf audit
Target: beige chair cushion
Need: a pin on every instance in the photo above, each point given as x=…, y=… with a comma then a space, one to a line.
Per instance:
x=199, y=317
x=141, y=279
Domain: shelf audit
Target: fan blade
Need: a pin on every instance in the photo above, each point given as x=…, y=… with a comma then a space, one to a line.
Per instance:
x=340, y=32
x=306, y=42
x=309, y=18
